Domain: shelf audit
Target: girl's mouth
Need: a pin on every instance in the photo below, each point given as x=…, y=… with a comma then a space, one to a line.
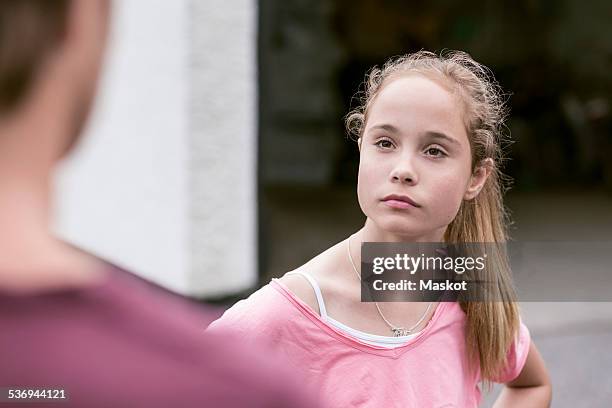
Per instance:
x=399, y=201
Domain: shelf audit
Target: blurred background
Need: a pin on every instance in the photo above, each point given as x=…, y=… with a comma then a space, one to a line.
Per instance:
x=552, y=58
x=218, y=146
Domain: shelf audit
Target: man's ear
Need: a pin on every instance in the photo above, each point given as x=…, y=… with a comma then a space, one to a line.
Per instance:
x=478, y=178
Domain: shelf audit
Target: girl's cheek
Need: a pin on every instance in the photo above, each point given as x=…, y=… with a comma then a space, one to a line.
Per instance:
x=451, y=178
x=365, y=188
x=454, y=193
x=371, y=173
x=453, y=187
x=369, y=182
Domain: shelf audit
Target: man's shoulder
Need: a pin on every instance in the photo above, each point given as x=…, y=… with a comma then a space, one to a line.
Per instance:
x=146, y=329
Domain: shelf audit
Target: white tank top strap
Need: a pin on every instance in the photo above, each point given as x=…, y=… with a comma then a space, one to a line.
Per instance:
x=317, y=290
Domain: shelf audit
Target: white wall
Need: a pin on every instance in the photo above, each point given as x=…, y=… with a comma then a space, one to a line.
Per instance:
x=224, y=144
x=151, y=165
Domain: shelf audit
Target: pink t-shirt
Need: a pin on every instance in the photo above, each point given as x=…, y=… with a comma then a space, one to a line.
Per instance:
x=431, y=370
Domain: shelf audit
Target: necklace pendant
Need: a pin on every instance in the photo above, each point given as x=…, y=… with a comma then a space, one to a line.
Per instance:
x=400, y=331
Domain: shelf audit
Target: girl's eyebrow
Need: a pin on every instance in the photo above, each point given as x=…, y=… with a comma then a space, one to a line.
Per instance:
x=387, y=127
x=428, y=134
x=442, y=136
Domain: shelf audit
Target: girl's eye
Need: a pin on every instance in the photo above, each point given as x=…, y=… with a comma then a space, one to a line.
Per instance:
x=435, y=152
x=384, y=143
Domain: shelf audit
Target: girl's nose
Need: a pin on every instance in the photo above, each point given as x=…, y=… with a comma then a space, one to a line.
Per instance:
x=404, y=174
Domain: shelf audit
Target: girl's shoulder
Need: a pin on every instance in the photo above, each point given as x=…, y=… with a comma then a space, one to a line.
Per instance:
x=300, y=287
x=320, y=268
x=253, y=313
x=274, y=305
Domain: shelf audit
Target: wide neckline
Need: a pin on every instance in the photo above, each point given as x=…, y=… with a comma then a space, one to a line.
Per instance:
x=389, y=341
x=352, y=341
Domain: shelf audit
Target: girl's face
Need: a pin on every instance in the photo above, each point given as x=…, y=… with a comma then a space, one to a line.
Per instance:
x=415, y=160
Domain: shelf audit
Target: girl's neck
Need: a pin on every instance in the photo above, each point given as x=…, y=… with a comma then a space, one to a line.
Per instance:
x=372, y=233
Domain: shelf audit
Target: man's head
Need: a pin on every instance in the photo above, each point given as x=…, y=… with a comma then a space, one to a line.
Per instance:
x=52, y=44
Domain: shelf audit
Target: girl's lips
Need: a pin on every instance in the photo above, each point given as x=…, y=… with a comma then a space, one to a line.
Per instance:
x=402, y=205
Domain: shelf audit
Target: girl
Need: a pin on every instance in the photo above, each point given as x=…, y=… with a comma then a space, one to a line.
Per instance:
x=429, y=134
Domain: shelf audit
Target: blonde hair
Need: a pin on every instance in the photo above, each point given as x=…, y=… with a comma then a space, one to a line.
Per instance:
x=492, y=324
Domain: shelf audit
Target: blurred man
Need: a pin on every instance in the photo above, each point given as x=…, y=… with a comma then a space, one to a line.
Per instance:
x=73, y=328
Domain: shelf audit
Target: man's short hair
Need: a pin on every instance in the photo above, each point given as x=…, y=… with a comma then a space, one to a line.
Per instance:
x=29, y=30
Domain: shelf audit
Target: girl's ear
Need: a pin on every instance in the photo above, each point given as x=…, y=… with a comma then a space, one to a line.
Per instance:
x=478, y=179
x=359, y=143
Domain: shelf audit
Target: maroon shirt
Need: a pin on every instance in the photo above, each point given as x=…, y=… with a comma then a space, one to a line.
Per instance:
x=127, y=342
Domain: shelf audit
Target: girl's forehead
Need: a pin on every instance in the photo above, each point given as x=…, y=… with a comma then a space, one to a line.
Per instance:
x=416, y=100
x=417, y=90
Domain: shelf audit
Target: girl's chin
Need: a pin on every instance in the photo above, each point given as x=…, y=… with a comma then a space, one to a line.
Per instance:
x=405, y=230
x=402, y=229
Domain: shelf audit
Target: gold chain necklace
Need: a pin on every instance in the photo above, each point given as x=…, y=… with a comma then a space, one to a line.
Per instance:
x=397, y=331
